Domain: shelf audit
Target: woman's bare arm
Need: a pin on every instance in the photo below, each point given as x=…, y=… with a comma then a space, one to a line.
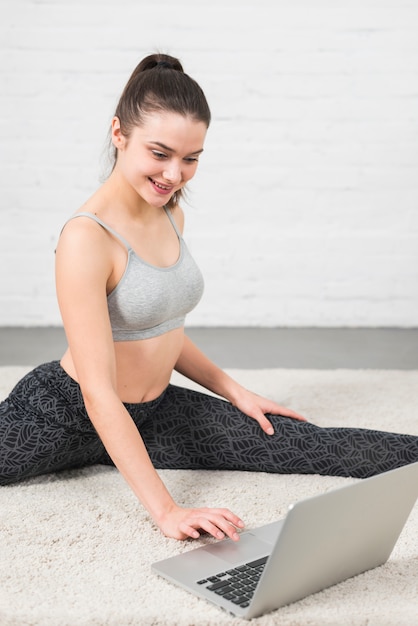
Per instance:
x=193, y=364
x=83, y=267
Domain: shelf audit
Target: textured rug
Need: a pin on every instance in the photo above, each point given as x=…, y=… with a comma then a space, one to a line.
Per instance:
x=76, y=547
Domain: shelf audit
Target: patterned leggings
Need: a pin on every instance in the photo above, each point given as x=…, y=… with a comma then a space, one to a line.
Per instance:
x=44, y=428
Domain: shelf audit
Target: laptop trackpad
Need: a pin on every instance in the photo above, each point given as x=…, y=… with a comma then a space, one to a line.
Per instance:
x=235, y=552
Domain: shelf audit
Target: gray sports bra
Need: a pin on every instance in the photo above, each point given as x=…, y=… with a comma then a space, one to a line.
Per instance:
x=149, y=301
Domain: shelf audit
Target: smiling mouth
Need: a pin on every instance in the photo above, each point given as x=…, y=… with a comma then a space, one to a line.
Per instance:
x=163, y=188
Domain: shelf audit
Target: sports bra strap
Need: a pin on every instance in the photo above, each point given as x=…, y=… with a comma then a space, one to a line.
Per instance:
x=104, y=225
x=116, y=234
x=173, y=223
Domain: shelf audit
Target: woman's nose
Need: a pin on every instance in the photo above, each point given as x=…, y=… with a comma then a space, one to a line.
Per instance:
x=172, y=173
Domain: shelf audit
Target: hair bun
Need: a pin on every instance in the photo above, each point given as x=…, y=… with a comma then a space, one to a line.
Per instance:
x=160, y=61
x=166, y=64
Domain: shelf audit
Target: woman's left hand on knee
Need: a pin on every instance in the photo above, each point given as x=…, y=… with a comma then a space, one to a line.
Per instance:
x=257, y=407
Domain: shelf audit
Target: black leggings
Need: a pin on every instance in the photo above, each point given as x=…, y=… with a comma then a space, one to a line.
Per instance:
x=44, y=428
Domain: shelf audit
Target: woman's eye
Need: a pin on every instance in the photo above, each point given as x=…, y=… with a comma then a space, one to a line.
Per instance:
x=158, y=155
x=191, y=159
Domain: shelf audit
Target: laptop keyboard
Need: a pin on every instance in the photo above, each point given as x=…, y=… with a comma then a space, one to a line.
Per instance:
x=238, y=584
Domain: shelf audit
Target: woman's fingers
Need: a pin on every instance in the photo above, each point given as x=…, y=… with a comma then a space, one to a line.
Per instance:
x=293, y=414
x=181, y=523
x=259, y=408
x=265, y=424
x=216, y=522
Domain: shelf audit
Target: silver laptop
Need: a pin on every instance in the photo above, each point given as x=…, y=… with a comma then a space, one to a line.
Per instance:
x=322, y=541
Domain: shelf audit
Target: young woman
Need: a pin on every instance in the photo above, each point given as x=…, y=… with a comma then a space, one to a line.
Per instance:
x=125, y=282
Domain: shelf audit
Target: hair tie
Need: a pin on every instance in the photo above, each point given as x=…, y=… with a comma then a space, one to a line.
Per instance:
x=165, y=64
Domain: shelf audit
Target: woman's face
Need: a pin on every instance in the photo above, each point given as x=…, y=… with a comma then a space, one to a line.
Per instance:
x=160, y=156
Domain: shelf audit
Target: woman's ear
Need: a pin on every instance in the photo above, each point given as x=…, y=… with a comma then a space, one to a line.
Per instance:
x=118, y=139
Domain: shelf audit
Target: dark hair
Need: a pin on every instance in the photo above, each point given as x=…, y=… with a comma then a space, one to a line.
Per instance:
x=159, y=83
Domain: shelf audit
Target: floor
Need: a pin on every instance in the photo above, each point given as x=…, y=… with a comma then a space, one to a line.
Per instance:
x=252, y=348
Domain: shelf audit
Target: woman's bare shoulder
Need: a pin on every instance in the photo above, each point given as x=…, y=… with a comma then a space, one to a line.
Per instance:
x=84, y=244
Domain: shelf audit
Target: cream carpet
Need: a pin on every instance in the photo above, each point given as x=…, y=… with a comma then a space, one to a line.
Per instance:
x=76, y=547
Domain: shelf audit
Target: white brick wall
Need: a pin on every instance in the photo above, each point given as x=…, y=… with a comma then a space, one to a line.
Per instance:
x=304, y=211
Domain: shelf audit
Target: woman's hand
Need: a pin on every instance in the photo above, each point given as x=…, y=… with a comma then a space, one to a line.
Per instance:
x=183, y=523
x=193, y=364
x=256, y=407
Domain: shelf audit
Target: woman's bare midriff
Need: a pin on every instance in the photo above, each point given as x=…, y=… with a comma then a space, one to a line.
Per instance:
x=143, y=367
